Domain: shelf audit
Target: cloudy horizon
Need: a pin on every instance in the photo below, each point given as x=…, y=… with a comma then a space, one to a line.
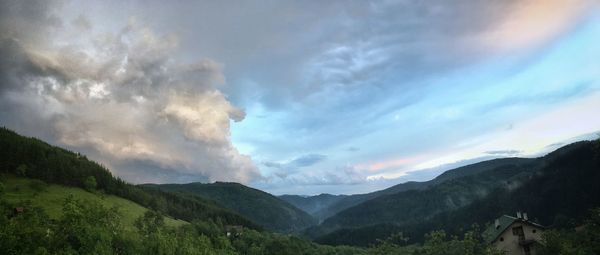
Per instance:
x=300, y=97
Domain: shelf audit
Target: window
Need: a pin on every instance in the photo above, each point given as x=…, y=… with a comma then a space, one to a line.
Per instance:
x=533, y=231
x=501, y=239
x=518, y=231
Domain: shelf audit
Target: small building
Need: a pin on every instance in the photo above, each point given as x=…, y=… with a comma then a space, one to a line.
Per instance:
x=18, y=210
x=515, y=236
x=233, y=230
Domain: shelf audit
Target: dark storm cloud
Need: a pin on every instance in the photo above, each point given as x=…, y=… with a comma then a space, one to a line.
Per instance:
x=119, y=96
x=279, y=52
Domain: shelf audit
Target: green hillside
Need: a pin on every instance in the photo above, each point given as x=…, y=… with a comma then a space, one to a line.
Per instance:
x=561, y=185
x=32, y=158
x=258, y=206
x=50, y=197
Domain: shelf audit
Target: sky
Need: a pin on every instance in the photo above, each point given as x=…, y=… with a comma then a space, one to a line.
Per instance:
x=300, y=97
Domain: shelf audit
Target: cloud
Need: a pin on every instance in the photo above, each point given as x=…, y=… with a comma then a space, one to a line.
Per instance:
x=352, y=149
x=301, y=161
x=82, y=23
x=155, y=95
x=307, y=160
x=503, y=152
x=283, y=169
x=341, y=175
x=120, y=96
x=555, y=145
x=531, y=23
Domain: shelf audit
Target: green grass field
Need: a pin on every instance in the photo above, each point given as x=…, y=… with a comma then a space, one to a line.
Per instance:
x=18, y=190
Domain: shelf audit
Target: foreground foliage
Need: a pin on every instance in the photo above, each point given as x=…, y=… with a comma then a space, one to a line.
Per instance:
x=584, y=239
x=90, y=228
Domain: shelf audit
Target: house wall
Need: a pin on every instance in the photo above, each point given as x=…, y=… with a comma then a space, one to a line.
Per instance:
x=510, y=244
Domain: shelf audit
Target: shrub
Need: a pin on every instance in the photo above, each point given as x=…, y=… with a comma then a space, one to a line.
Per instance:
x=90, y=183
x=22, y=170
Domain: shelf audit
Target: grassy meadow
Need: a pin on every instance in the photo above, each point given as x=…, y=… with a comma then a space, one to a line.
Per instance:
x=50, y=197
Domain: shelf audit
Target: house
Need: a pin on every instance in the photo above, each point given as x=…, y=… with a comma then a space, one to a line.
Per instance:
x=18, y=210
x=233, y=230
x=515, y=236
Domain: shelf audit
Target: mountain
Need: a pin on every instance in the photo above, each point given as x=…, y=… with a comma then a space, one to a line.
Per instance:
x=325, y=205
x=258, y=206
x=560, y=185
x=32, y=158
x=416, y=201
x=313, y=205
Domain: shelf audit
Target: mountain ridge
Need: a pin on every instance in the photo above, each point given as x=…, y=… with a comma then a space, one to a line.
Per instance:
x=261, y=207
x=562, y=183
x=342, y=202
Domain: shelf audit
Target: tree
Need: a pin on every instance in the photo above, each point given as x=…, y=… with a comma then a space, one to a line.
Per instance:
x=151, y=222
x=585, y=240
x=22, y=170
x=90, y=183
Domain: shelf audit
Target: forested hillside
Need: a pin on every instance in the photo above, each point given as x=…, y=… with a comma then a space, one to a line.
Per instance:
x=258, y=206
x=32, y=158
x=554, y=189
x=329, y=205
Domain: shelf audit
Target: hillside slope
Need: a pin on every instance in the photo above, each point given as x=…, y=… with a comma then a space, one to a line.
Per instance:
x=258, y=206
x=562, y=184
x=51, y=197
x=314, y=205
x=431, y=198
x=33, y=158
x=330, y=205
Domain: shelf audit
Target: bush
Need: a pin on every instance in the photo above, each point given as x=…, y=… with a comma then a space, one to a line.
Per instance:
x=22, y=170
x=90, y=183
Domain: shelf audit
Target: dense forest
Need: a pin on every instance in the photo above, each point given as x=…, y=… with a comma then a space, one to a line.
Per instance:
x=260, y=207
x=556, y=189
x=325, y=205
